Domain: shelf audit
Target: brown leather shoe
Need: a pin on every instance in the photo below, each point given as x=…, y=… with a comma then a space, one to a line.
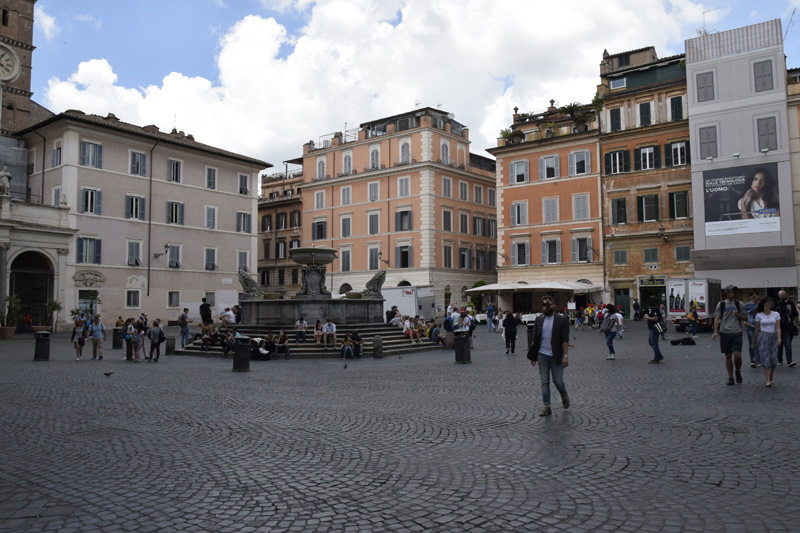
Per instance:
x=546, y=411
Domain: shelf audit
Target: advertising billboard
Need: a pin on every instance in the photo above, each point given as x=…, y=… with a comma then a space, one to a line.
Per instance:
x=742, y=199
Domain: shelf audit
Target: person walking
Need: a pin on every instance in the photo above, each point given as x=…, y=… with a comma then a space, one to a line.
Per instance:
x=579, y=314
x=637, y=310
x=510, y=331
x=78, y=339
x=137, y=339
x=490, y=318
x=789, y=324
x=728, y=317
x=549, y=350
x=654, y=317
x=183, y=322
x=692, y=317
x=612, y=322
x=97, y=332
x=751, y=308
x=767, y=337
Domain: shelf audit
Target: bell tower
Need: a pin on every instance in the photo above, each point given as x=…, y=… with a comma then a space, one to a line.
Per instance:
x=16, y=51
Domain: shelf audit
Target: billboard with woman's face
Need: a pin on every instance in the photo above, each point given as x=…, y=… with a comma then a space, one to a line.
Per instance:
x=742, y=199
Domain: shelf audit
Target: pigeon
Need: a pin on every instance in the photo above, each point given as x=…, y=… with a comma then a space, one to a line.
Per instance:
x=399, y=356
x=345, y=365
x=107, y=373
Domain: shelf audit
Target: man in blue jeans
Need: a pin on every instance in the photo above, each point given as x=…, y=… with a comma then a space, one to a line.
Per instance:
x=549, y=350
x=490, y=318
x=183, y=322
x=789, y=320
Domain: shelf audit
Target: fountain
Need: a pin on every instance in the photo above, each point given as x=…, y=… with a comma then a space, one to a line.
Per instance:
x=314, y=300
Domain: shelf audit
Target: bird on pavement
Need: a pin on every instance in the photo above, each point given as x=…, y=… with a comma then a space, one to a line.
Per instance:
x=107, y=373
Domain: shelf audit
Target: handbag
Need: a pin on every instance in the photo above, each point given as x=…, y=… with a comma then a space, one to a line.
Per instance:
x=659, y=327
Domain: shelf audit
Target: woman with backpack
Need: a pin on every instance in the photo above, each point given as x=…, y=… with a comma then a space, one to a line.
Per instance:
x=611, y=324
x=156, y=336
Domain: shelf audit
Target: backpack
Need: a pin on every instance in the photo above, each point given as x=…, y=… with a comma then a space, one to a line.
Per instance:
x=448, y=323
x=608, y=323
x=181, y=320
x=472, y=324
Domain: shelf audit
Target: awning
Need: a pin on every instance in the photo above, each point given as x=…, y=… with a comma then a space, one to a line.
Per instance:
x=494, y=287
x=573, y=286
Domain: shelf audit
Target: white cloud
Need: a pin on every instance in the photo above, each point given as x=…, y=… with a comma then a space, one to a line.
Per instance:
x=358, y=60
x=89, y=19
x=45, y=22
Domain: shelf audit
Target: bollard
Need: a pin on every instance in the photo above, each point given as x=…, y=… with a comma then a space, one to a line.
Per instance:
x=241, y=355
x=462, y=348
x=377, y=347
x=41, y=351
x=170, y=345
x=449, y=340
x=116, y=338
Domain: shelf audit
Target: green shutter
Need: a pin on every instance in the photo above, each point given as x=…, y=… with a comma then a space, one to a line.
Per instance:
x=640, y=204
x=637, y=159
x=672, y=205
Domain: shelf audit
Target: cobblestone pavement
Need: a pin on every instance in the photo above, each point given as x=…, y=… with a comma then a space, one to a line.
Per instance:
x=404, y=444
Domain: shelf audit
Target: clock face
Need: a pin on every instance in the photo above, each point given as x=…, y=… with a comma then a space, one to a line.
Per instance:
x=9, y=63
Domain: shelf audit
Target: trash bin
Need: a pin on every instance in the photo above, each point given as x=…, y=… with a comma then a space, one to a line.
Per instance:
x=116, y=339
x=461, y=343
x=241, y=355
x=170, y=347
x=41, y=351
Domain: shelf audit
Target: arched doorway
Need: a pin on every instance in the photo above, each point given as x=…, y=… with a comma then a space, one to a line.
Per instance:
x=31, y=278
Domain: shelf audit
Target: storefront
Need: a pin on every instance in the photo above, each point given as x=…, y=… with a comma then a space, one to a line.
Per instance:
x=652, y=286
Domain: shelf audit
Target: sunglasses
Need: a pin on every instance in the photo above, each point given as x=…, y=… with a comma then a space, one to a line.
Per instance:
x=547, y=304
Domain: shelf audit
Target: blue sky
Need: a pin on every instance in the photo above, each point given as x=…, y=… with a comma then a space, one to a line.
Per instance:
x=262, y=77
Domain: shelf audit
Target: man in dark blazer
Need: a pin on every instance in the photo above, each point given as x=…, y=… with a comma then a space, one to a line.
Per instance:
x=549, y=350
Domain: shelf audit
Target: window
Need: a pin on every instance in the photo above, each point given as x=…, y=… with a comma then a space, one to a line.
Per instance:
x=550, y=209
x=518, y=171
x=91, y=154
x=211, y=298
x=651, y=255
x=91, y=201
x=683, y=253
x=295, y=276
x=138, y=163
x=281, y=277
x=132, y=298
x=762, y=75
x=347, y=165
x=344, y=195
x=295, y=219
x=620, y=257
x=647, y=158
x=549, y=167
x=677, y=154
x=241, y=261
x=551, y=252
x=211, y=217
x=174, y=213
x=479, y=226
x=373, y=258
x=373, y=190
x=582, y=250
x=174, y=170
x=492, y=197
x=134, y=207
x=402, y=221
x=55, y=155
x=623, y=60
x=648, y=208
x=520, y=253
x=267, y=245
x=211, y=178
x=447, y=220
x=344, y=260
x=618, y=162
x=174, y=255
x=280, y=250
x=519, y=213
x=56, y=196
x=679, y=204
x=373, y=220
x=767, y=133
x=266, y=223
x=463, y=191
x=403, y=257
x=580, y=207
x=463, y=222
x=319, y=230
x=88, y=250
x=345, y=226
x=447, y=187
x=619, y=213
x=464, y=258
x=618, y=83
x=265, y=278
x=320, y=170
x=319, y=200
x=645, y=118
x=243, y=222
x=173, y=299
x=478, y=194
x=294, y=243
x=705, y=86
x=374, y=158
x=447, y=256
x=211, y=258
x=445, y=154
x=580, y=163
x=615, y=116
x=134, y=253
x=405, y=153
x=676, y=108
x=403, y=187
x=492, y=228
x=708, y=142
x=281, y=221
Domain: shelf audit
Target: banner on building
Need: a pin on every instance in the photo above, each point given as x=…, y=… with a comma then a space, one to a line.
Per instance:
x=742, y=199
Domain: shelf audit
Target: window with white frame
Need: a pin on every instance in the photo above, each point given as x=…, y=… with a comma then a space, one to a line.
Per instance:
x=319, y=199
x=241, y=260
x=134, y=207
x=55, y=155
x=211, y=178
x=374, y=191
x=683, y=253
x=374, y=158
x=211, y=217
x=344, y=195
x=138, y=164
x=582, y=250
x=677, y=153
x=464, y=258
x=767, y=133
x=463, y=191
x=580, y=163
x=403, y=220
x=447, y=256
x=280, y=249
x=580, y=207
x=646, y=158
x=294, y=243
x=492, y=227
x=347, y=164
x=518, y=172
x=56, y=196
x=492, y=197
x=645, y=113
x=133, y=298
x=620, y=257
x=403, y=187
x=294, y=217
x=404, y=256
x=679, y=204
x=762, y=76
x=266, y=222
x=447, y=187
x=174, y=255
x=88, y=250
x=346, y=226
x=551, y=252
x=373, y=223
x=549, y=167
x=174, y=213
x=479, y=226
x=618, y=83
x=615, y=119
x=244, y=184
x=676, y=108
x=405, y=152
x=211, y=258
x=519, y=213
x=321, y=169
x=372, y=258
x=520, y=253
x=648, y=208
x=243, y=222
x=344, y=259
x=91, y=154
x=651, y=255
x=91, y=201
x=478, y=194
x=708, y=142
x=447, y=220
x=211, y=298
x=174, y=170
x=134, y=253
x=463, y=222
x=550, y=210
x=705, y=86
x=281, y=221
x=618, y=162
x=619, y=212
x=445, y=154
x=319, y=230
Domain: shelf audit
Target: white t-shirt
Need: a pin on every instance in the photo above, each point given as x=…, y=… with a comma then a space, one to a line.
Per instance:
x=768, y=321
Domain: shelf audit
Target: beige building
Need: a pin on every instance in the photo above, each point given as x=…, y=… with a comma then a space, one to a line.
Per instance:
x=404, y=194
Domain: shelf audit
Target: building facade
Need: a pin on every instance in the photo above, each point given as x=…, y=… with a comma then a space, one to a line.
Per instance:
x=402, y=194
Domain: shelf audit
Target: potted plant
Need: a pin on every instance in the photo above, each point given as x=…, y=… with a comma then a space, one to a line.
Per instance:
x=52, y=307
x=9, y=319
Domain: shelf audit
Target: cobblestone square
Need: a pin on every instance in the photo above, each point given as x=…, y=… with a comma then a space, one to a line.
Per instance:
x=410, y=443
